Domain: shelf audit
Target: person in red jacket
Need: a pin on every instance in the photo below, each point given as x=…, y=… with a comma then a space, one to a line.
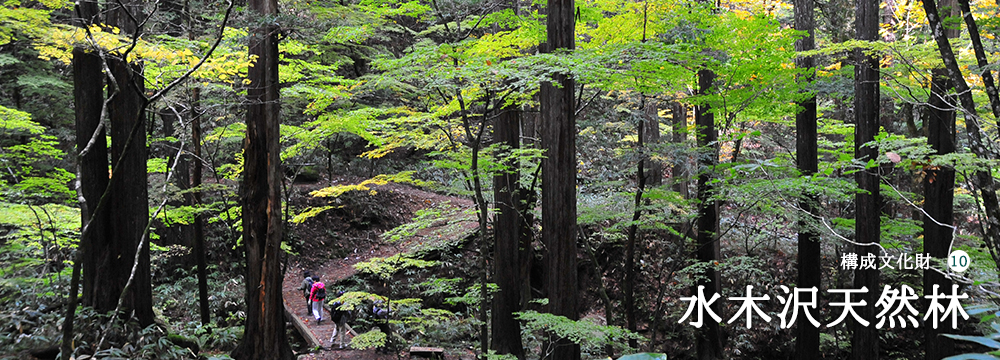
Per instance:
x=317, y=295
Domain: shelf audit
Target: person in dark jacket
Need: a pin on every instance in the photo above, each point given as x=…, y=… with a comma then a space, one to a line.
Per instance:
x=306, y=287
x=339, y=318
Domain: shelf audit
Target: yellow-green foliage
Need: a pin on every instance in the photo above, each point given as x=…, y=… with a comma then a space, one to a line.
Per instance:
x=25, y=23
x=310, y=212
x=353, y=300
x=35, y=224
x=26, y=149
x=17, y=122
x=372, y=339
x=165, y=58
x=385, y=267
x=405, y=177
x=381, y=179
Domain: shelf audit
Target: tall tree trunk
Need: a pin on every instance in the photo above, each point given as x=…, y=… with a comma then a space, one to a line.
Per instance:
x=679, y=131
x=264, y=329
x=938, y=200
x=88, y=91
x=559, y=178
x=508, y=231
x=709, y=339
x=809, y=262
x=172, y=232
x=939, y=189
x=129, y=200
x=865, y=343
x=977, y=47
x=642, y=176
x=195, y=200
x=88, y=99
x=982, y=180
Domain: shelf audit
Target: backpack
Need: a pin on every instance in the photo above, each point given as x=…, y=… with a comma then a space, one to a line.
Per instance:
x=319, y=291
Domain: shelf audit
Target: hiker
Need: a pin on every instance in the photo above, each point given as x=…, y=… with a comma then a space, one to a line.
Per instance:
x=339, y=318
x=306, y=287
x=379, y=310
x=317, y=295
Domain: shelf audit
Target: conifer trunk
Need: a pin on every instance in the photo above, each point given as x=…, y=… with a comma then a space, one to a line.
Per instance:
x=809, y=262
x=508, y=231
x=199, y=226
x=982, y=180
x=88, y=99
x=939, y=196
x=709, y=338
x=559, y=230
x=88, y=95
x=129, y=201
x=264, y=330
x=865, y=343
x=977, y=47
x=939, y=190
x=195, y=196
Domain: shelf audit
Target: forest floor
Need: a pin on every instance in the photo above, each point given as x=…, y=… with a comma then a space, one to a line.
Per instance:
x=333, y=243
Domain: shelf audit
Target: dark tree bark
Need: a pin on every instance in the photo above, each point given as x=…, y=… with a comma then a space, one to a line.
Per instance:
x=195, y=196
x=128, y=200
x=709, y=338
x=939, y=186
x=977, y=46
x=982, y=180
x=508, y=230
x=172, y=232
x=88, y=99
x=264, y=329
x=559, y=178
x=809, y=262
x=195, y=200
x=88, y=91
x=865, y=343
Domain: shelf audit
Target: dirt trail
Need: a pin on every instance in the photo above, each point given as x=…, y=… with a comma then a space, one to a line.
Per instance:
x=401, y=197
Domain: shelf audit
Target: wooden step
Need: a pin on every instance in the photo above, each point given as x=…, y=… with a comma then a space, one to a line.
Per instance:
x=427, y=352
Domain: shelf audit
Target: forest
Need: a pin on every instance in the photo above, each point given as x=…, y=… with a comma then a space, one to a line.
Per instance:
x=500, y=179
